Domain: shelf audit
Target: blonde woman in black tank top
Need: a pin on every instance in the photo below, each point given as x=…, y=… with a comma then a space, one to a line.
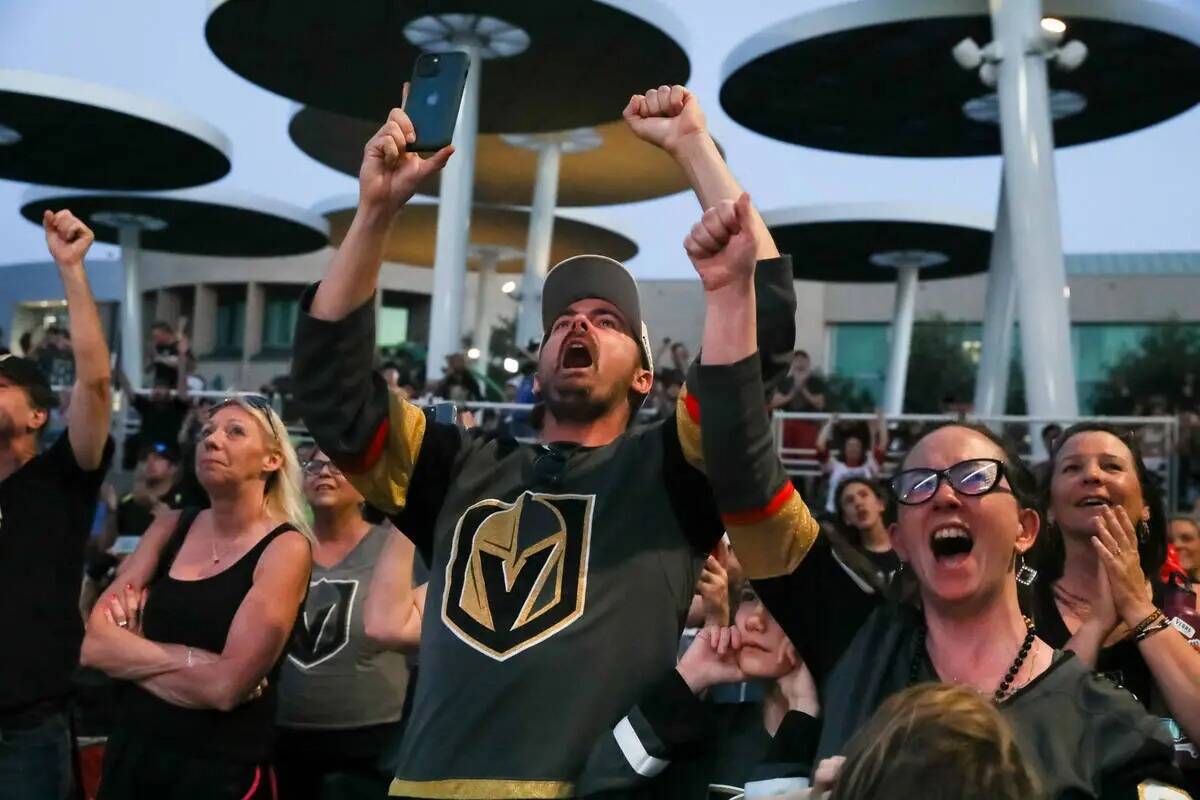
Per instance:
x=199, y=618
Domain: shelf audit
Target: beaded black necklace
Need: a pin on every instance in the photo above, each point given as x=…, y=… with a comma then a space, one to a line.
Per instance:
x=1009, y=677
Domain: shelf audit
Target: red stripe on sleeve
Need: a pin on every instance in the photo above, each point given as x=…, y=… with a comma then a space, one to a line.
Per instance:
x=374, y=449
x=766, y=512
x=693, y=407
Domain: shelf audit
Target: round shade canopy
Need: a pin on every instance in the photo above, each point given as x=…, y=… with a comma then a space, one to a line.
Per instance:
x=65, y=132
x=352, y=57
x=877, y=77
x=414, y=232
x=196, y=222
x=868, y=242
x=622, y=169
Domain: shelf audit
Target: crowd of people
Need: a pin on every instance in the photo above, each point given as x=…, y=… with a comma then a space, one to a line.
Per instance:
x=406, y=604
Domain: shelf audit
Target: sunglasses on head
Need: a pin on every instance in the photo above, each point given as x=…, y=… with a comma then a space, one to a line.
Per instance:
x=255, y=401
x=973, y=477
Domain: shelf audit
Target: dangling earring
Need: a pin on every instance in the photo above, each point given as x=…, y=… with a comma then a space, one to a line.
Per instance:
x=1026, y=574
x=1143, y=530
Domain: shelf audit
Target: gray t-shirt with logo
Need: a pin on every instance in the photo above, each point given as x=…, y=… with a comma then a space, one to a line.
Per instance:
x=333, y=676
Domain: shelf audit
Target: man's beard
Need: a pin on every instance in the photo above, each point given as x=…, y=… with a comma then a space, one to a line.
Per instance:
x=583, y=404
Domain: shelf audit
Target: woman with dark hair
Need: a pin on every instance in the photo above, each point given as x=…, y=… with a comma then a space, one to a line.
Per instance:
x=1098, y=590
x=966, y=515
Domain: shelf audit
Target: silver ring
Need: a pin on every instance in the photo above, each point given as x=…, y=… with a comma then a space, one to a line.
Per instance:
x=123, y=623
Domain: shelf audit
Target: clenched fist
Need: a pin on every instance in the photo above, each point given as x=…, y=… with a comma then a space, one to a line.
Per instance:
x=665, y=117
x=722, y=245
x=390, y=174
x=67, y=237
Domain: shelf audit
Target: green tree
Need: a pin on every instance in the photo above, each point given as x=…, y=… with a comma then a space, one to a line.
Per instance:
x=1158, y=366
x=940, y=368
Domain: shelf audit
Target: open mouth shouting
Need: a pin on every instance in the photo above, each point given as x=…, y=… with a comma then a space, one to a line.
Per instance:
x=576, y=354
x=951, y=544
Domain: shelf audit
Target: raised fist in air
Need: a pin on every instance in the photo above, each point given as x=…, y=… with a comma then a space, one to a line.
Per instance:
x=67, y=237
x=665, y=117
x=722, y=245
x=390, y=173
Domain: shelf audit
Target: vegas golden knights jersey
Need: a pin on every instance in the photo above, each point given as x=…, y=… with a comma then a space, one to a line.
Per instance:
x=559, y=575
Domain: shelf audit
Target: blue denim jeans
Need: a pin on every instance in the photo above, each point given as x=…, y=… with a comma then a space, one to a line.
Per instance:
x=35, y=762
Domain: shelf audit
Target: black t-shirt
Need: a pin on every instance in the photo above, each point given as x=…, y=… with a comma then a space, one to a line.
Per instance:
x=161, y=419
x=46, y=512
x=133, y=518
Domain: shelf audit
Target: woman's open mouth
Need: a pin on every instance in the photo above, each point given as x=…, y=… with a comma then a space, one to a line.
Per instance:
x=951, y=543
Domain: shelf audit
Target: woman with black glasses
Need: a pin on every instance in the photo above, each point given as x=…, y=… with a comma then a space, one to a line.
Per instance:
x=199, y=623
x=965, y=519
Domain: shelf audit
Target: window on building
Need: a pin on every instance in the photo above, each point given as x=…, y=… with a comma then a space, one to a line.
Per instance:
x=393, y=326
x=281, y=306
x=230, y=326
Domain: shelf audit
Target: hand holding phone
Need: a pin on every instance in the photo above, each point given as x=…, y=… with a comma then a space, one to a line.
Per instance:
x=391, y=170
x=435, y=96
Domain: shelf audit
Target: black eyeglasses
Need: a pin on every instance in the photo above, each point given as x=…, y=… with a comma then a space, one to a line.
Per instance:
x=974, y=477
x=313, y=467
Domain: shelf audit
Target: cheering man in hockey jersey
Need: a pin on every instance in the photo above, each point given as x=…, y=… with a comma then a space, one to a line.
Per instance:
x=559, y=572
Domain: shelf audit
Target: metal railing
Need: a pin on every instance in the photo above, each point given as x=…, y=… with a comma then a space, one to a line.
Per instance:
x=795, y=433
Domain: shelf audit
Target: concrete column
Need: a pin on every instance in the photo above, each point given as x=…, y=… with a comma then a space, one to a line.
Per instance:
x=132, y=361
x=1028, y=142
x=991, y=383
x=252, y=332
x=541, y=234
x=902, y=325
x=454, y=227
x=204, y=319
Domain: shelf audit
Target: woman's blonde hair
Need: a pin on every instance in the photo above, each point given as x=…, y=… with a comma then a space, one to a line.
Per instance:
x=283, y=498
x=935, y=729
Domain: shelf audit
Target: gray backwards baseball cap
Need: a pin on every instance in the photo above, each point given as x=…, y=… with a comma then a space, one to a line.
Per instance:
x=590, y=276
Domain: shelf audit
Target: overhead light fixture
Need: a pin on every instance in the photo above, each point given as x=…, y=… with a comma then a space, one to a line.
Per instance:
x=473, y=353
x=1053, y=29
x=1071, y=55
x=508, y=287
x=987, y=75
x=968, y=54
x=511, y=366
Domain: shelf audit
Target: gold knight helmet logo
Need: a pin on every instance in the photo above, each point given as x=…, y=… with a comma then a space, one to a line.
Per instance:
x=518, y=571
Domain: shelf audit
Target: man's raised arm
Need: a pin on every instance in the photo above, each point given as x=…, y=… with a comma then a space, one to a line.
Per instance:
x=670, y=117
x=373, y=435
x=387, y=179
x=770, y=527
x=91, y=398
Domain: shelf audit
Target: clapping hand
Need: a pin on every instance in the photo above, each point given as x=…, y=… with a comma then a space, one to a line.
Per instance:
x=390, y=174
x=1116, y=543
